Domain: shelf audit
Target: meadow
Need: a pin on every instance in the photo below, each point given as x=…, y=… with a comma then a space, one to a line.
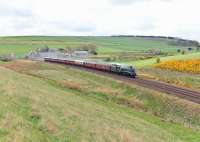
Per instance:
x=46, y=102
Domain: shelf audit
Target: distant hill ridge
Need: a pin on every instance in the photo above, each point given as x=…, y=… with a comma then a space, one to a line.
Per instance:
x=172, y=40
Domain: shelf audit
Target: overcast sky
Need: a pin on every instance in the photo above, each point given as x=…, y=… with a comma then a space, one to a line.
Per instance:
x=100, y=17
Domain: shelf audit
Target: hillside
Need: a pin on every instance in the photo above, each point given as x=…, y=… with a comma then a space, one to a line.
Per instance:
x=54, y=103
x=44, y=102
x=106, y=45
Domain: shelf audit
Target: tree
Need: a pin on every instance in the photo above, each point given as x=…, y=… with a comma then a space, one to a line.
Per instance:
x=61, y=49
x=157, y=60
x=183, y=52
x=178, y=50
x=94, y=52
x=108, y=59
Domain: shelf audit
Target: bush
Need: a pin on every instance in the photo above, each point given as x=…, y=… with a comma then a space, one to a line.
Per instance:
x=179, y=50
x=157, y=60
x=94, y=52
x=183, y=52
x=108, y=59
x=61, y=49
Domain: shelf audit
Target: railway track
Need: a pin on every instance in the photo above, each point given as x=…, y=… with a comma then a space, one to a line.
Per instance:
x=180, y=92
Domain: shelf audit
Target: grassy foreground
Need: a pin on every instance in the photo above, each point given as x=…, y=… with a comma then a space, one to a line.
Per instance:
x=43, y=102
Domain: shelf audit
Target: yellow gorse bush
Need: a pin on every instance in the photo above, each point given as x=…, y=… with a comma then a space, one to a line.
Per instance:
x=192, y=66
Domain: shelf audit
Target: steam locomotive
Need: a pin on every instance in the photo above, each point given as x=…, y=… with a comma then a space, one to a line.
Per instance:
x=113, y=68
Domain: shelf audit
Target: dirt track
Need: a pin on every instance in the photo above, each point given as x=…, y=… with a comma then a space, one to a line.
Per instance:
x=185, y=93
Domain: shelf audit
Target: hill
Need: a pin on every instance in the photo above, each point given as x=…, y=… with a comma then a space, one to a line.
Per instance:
x=54, y=103
x=106, y=45
x=45, y=102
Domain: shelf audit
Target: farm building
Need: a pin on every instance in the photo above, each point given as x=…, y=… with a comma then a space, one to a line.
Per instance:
x=81, y=53
x=40, y=54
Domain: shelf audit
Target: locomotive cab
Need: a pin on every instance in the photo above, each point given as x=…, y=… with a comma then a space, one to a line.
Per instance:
x=133, y=72
x=128, y=70
x=123, y=70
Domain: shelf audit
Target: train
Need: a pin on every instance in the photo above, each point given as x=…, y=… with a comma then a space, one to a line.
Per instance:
x=115, y=68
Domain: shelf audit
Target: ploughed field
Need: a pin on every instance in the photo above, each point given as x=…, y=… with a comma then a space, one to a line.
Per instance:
x=48, y=102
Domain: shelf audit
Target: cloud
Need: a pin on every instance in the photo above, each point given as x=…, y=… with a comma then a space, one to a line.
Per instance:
x=124, y=2
x=72, y=26
x=128, y=2
x=15, y=12
x=145, y=27
x=14, y=9
x=100, y=17
x=86, y=28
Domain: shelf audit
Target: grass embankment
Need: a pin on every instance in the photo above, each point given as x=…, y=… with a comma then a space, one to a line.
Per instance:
x=45, y=102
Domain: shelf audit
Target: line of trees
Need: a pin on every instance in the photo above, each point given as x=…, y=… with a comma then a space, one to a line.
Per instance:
x=172, y=40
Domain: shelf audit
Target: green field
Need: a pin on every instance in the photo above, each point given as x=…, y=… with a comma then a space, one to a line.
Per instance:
x=21, y=45
x=44, y=102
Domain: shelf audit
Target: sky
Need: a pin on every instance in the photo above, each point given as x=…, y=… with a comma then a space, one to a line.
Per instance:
x=178, y=18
